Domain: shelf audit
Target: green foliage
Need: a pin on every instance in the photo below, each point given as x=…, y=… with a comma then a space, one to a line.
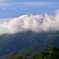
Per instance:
x=27, y=39
x=53, y=49
x=13, y=42
x=50, y=54
x=11, y=58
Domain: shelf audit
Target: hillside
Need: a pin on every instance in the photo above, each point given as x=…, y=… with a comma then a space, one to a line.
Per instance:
x=52, y=53
x=52, y=40
x=18, y=41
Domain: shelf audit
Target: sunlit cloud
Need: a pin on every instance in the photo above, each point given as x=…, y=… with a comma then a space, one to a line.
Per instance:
x=35, y=23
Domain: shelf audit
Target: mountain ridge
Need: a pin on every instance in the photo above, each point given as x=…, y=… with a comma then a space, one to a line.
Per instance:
x=52, y=40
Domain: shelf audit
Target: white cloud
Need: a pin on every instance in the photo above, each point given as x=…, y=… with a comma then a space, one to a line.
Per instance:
x=13, y=8
x=5, y=20
x=35, y=23
x=22, y=4
x=4, y=0
x=4, y=5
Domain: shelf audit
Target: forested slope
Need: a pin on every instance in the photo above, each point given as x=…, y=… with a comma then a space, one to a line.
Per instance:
x=18, y=41
x=52, y=53
x=51, y=40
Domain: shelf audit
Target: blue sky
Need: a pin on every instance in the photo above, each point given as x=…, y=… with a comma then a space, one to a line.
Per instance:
x=16, y=8
x=23, y=15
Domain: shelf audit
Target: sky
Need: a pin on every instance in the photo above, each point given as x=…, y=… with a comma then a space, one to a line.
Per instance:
x=16, y=8
x=23, y=15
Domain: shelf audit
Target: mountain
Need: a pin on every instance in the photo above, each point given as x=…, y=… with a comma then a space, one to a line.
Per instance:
x=18, y=41
x=52, y=53
x=51, y=40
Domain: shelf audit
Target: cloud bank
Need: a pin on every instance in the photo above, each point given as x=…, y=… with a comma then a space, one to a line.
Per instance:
x=10, y=4
x=35, y=23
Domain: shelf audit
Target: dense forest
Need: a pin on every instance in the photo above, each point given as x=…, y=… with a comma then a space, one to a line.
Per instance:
x=18, y=41
x=15, y=42
x=52, y=53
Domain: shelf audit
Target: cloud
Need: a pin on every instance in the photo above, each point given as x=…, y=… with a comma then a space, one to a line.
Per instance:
x=35, y=23
x=24, y=4
x=4, y=1
x=5, y=20
x=4, y=5
x=13, y=8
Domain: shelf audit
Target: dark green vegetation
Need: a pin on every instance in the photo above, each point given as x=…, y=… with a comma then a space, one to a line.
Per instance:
x=51, y=40
x=52, y=53
x=14, y=42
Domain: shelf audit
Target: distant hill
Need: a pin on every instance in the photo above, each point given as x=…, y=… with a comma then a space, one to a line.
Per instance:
x=52, y=53
x=51, y=40
x=18, y=41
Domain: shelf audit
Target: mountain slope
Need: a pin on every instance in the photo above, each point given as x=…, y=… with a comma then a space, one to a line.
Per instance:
x=52, y=40
x=52, y=53
x=18, y=41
